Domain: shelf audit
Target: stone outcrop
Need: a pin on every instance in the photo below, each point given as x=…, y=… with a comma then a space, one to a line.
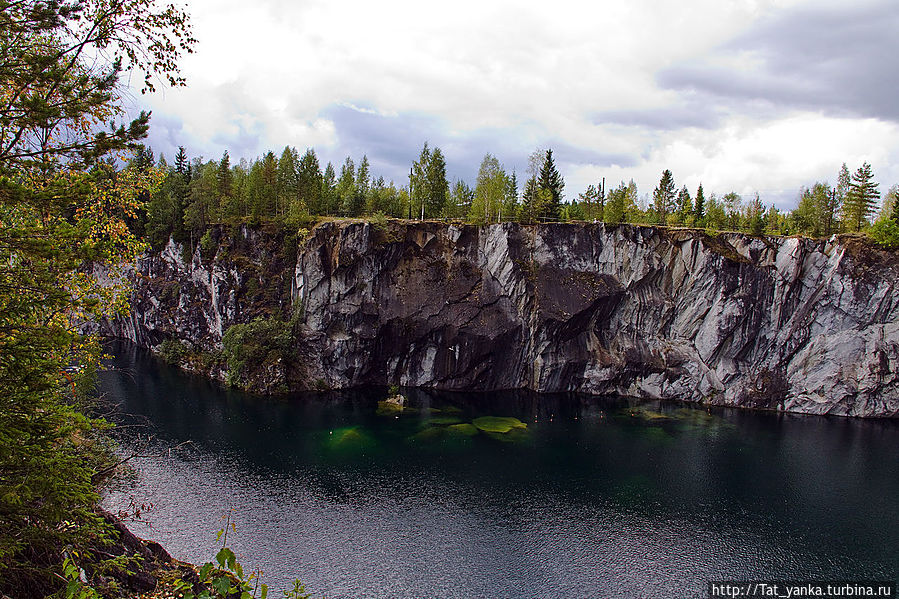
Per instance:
x=775, y=323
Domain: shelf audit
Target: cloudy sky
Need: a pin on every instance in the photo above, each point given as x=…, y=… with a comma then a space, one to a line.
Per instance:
x=742, y=95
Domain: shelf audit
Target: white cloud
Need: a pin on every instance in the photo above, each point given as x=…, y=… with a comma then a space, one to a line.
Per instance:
x=582, y=77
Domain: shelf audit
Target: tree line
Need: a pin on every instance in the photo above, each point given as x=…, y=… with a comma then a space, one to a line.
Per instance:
x=296, y=189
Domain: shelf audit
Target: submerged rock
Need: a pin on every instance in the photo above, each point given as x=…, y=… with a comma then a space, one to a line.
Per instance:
x=774, y=323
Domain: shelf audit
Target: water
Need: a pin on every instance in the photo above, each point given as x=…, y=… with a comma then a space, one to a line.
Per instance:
x=595, y=498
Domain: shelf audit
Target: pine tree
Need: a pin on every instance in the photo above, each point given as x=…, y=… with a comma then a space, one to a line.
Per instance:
x=861, y=200
x=684, y=205
x=363, y=185
x=287, y=180
x=420, y=182
x=530, y=202
x=663, y=197
x=63, y=208
x=551, y=181
x=755, y=216
x=346, y=188
x=224, y=178
x=309, y=183
x=699, y=206
x=512, y=192
x=181, y=161
x=330, y=198
x=269, y=189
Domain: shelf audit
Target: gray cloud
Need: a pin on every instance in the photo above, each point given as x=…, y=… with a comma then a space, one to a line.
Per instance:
x=165, y=135
x=392, y=143
x=690, y=111
x=839, y=60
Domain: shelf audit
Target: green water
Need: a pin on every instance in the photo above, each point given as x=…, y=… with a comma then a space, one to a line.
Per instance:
x=505, y=494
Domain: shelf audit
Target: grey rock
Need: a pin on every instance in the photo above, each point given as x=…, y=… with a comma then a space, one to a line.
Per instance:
x=774, y=323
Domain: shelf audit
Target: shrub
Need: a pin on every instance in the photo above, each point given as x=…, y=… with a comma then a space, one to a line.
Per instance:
x=172, y=351
x=253, y=345
x=207, y=244
x=885, y=233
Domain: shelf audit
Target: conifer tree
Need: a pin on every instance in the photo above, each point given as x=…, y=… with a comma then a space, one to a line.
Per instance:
x=530, y=202
x=346, y=188
x=63, y=208
x=309, y=183
x=551, y=181
x=330, y=199
x=224, y=178
x=684, y=205
x=663, y=197
x=181, y=161
x=699, y=206
x=288, y=189
x=861, y=200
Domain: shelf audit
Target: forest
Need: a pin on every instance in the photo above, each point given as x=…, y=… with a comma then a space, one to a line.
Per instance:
x=296, y=190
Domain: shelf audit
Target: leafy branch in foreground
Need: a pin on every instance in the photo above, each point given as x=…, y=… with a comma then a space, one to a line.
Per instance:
x=227, y=578
x=65, y=209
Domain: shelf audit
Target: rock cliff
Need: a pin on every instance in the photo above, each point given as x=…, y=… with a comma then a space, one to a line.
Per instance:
x=776, y=323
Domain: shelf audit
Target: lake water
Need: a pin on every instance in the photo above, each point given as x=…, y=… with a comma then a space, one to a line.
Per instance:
x=596, y=497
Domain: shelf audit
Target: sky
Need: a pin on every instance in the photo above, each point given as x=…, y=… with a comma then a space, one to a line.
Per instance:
x=752, y=96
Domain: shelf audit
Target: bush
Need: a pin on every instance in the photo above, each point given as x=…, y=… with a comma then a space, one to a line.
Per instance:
x=249, y=347
x=885, y=233
x=207, y=245
x=172, y=351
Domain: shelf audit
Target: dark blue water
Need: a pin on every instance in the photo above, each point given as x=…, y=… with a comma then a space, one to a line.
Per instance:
x=594, y=498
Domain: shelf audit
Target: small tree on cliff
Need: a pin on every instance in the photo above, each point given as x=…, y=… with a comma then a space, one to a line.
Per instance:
x=551, y=181
x=663, y=197
x=861, y=200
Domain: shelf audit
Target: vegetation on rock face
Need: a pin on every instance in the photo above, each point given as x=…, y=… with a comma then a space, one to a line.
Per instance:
x=885, y=233
x=258, y=354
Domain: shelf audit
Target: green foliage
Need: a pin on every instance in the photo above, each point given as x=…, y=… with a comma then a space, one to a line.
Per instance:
x=885, y=233
x=861, y=198
x=63, y=205
x=248, y=348
x=491, y=193
x=699, y=206
x=816, y=214
x=663, y=198
x=550, y=181
x=75, y=589
x=207, y=244
x=172, y=351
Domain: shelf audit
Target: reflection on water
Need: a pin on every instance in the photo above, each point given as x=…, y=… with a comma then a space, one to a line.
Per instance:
x=506, y=494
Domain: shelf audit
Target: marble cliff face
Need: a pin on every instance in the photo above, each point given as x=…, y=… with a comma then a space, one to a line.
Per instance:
x=777, y=323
